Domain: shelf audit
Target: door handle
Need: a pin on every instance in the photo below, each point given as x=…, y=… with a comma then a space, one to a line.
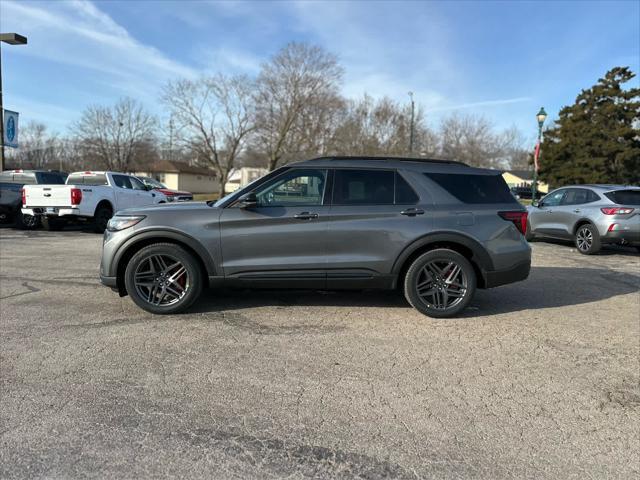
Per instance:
x=306, y=216
x=412, y=212
x=577, y=210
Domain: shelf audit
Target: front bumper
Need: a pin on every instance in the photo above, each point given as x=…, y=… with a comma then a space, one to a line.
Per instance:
x=502, y=277
x=111, y=282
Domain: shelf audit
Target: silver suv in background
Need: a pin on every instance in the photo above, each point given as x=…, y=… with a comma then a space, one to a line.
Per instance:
x=435, y=229
x=590, y=215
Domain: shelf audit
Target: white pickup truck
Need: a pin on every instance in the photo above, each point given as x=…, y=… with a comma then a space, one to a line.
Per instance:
x=93, y=196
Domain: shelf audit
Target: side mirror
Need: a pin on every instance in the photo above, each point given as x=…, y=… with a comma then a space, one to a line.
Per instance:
x=248, y=200
x=148, y=187
x=535, y=203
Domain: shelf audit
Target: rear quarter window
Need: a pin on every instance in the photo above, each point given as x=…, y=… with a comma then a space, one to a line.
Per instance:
x=625, y=197
x=474, y=189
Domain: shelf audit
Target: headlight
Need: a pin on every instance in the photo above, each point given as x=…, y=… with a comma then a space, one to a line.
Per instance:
x=120, y=223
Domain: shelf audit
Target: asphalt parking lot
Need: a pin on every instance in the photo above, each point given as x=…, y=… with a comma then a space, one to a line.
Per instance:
x=538, y=379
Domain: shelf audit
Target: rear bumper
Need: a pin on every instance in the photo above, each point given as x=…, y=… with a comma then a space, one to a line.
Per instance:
x=502, y=277
x=617, y=236
x=51, y=211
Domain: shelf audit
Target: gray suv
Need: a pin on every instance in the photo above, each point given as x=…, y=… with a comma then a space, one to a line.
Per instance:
x=436, y=229
x=590, y=215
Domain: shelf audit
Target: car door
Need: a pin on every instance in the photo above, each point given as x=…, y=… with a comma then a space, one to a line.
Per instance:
x=546, y=218
x=281, y=241
x=125, y=195
x=374, y=214
x=571, y=209
x=144, y=197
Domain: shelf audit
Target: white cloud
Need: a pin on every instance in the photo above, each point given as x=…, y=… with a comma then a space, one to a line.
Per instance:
x=77, y=33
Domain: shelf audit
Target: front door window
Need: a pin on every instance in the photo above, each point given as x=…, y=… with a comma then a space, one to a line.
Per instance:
x=294, y=188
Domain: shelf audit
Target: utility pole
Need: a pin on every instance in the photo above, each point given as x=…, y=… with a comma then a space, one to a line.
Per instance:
x=412, y=123
x=11, y=39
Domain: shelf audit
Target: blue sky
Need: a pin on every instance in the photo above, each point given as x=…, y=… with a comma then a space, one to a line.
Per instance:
x=500, y=59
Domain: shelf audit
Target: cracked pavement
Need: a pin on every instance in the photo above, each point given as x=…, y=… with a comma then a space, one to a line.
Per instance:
x=538, y=379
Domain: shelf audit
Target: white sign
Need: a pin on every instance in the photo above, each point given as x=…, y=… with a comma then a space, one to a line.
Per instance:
x=10, y=128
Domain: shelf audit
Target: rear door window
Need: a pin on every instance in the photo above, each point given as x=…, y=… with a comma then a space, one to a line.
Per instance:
x=474, y=189
x=579, y=196
x=363, y=187
x=122, y=182
x=625, y=197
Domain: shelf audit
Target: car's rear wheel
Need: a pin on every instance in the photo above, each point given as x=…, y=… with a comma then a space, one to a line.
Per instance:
x=52, y=224
x=163, y=278
x=101, y=218
x=27, y=222
x=587, y=239
x=440, y=283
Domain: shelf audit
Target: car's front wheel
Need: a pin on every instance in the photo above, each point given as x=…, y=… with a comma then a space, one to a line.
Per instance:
x=163, y=278
x=440, y=283
x=587, y=239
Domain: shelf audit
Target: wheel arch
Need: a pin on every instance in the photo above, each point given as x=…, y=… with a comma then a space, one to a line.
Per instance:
x=103, y=203
x=579, y=223
x=471, y=249
x=138, y=242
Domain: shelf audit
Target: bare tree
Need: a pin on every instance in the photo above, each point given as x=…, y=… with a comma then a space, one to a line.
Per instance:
x=38, y=148
x=294, y=89
x=213, y=118
x=118, y=136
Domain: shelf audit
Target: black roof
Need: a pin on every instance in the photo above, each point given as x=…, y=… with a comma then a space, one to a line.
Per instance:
x=389, y=157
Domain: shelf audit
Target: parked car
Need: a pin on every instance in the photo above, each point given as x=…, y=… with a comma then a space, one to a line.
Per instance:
x=590, y=215
x=87, y=196
x=11, y=183
x=525, y=193
x=172, y=195
x=435, y=229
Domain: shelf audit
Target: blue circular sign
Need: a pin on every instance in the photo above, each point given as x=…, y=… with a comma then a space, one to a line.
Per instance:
x=11, y=129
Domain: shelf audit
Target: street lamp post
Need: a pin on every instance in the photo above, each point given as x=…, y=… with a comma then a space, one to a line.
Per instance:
x=11, y=39
x=541, y=117
x=412, y=123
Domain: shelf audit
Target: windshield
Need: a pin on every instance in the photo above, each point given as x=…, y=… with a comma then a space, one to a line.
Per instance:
x=152, y=182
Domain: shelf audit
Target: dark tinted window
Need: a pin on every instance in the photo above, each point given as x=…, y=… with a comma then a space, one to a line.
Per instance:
x=469, y=188
x=363, y=187
x=122, y=181
x=50, y=178
x=404, y=193
x=87, y=179
x=579, y=196
x=625, y=197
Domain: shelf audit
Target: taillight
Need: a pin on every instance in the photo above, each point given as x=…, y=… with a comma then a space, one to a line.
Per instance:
x=518, y=218
x=616, y=210
x=24, y=197
x=76, y=196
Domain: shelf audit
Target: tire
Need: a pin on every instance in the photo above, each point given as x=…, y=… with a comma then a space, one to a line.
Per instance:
x=440, y=262
x=101, y=218
x=27, y=222
x=160, y=294
x=52, y=224
x=587, y=239
x=528, y=234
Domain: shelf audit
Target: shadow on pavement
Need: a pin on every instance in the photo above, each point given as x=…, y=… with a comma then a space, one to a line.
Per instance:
x=546, y=287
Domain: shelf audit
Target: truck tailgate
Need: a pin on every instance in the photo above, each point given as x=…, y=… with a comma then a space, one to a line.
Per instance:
x=47, y=195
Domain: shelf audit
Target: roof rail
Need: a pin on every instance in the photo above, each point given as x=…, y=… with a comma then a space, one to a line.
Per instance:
x=388, y=157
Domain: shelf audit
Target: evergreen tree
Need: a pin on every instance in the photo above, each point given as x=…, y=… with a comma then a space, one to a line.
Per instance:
x=597, y=139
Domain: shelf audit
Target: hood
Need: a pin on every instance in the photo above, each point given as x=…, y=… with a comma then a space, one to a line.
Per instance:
x=166, y=207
